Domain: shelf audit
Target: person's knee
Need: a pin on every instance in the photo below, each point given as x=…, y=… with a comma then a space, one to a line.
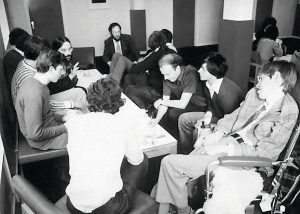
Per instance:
x=116, y=56
x=182, y=120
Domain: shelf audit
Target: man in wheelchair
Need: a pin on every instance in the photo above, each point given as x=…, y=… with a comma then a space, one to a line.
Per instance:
x=261, y=126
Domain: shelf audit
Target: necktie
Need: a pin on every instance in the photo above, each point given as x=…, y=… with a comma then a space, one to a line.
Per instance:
x=251, y=119
x=118, y=48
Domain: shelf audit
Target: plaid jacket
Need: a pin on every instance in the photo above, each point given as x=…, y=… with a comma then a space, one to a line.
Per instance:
x=270, y=134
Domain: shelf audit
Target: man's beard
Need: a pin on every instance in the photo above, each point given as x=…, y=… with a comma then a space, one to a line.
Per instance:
x=69, y=57
x=116, y=39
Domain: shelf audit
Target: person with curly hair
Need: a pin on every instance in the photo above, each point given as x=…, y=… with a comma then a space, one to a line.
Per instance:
x=102, y=180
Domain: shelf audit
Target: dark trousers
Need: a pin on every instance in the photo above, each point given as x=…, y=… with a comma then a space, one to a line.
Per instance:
x=133, y=178
x=170, y=120
x=142, y=96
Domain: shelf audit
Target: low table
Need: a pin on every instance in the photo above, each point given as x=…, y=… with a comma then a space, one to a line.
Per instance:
x=162, y=143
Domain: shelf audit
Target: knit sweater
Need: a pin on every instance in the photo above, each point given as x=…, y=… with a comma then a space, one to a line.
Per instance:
x=36, y=120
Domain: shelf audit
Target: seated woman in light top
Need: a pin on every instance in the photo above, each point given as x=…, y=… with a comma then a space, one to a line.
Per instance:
x=269, y=46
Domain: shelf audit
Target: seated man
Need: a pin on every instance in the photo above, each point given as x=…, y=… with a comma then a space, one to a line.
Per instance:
x=27, y=67
x=119, y=43
x=65, y=88
x=225, y=96
x=261, y=126
x=12, y=58
x=36, y=120
x=182, y=92
x=102, y=180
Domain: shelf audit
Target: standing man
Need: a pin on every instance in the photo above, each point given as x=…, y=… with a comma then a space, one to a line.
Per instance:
x=261, y=126
x=119, y=43
x=225, y=96
x=182, y=92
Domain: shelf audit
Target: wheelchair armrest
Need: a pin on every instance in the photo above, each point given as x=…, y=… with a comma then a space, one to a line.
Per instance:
x=244, y=161
x=32, y=197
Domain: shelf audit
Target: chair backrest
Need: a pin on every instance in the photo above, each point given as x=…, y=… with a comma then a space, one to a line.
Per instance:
x=85, y=56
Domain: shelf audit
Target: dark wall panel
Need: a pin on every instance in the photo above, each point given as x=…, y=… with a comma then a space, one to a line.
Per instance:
x=235, y=43
x=183, y=23
x=138, y=28
x=263, y=10
x=296, y=31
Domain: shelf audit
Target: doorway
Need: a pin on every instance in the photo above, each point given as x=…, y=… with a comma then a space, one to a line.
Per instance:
x=46, y=18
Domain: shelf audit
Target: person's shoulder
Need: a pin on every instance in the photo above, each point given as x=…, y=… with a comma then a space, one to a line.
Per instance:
x=108, y=40
x=125, y=36
x=231, y=85
x=290, y=101
x=189, y=69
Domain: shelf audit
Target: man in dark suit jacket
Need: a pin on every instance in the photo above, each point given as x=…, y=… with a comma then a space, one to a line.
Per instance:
x=119, y=43
x=225, y=96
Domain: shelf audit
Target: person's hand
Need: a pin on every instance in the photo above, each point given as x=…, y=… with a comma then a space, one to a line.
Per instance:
x=153, y=122
x=213, y=138
x=207, y=117
x=58, y=105
x=157, y=103
x=109, y=63
x=74, y=71
x=279, y=41
x=69, y=114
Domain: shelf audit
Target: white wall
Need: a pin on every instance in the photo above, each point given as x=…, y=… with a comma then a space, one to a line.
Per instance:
x=159, y=15
x=89, y=27
x=284, y=12
x=86, y=27
x=4, y=26
x=208, y=14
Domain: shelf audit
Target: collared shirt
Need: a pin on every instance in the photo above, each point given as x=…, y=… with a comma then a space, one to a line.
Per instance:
x=115, y=45
x=187, y=82
x=215, y=87
x=171, y=46
x=19, y=51
x=97, y=143
x=268, y=106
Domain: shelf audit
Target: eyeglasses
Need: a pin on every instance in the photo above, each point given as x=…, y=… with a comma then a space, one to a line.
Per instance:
x=66, y=50
x=261, y=77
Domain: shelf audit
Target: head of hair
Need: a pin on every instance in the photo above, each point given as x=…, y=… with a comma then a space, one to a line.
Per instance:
x=156, y=40
x=104, y=95
x=15, y=34
x=33, y=45
x=58, y=42
x=216, y=65
x=168, y=35
x=269, y=21
x=112, y=25
x=271, y=32
x=21, y=41
x=287, y=71
x=48, y=58
x=170, y=59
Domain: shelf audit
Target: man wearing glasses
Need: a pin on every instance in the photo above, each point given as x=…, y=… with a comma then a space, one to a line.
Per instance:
x=261, y=126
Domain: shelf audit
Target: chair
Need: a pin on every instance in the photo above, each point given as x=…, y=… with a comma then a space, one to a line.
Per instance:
x=32, y=199
x=85, y=56
x=255, y=66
